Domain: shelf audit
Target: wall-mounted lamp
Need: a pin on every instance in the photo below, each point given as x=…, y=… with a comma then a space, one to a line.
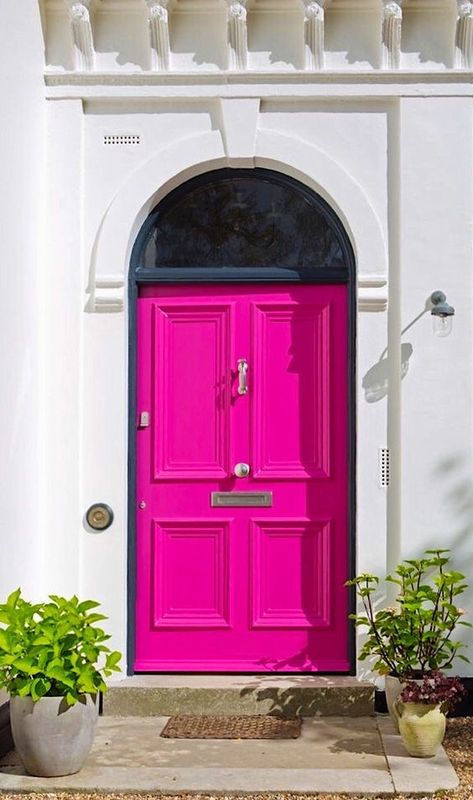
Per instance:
x=442, y=314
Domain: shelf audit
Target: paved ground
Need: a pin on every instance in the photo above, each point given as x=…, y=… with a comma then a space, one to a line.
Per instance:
x=333, y=755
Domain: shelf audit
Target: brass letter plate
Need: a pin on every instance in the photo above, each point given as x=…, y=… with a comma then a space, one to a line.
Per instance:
x=238, y=499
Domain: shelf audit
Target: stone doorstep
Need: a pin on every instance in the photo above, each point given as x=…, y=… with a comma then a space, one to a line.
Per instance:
x=307, y=695
x=333, y=754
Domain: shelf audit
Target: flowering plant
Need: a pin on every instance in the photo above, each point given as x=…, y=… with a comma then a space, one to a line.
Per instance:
x=414, y=636
x=435, y=689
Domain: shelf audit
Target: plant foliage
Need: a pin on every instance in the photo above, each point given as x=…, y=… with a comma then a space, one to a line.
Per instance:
x=434, y=689
x=414, y=636
x=53, y=649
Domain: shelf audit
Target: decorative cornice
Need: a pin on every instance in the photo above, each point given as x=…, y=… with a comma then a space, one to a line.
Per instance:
x=237, y=34
x=313, y=18
x=392, y=30
x=158, y=21
x=84, y=54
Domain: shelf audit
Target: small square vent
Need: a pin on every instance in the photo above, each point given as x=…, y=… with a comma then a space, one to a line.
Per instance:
x=123, y=139
x=384, y=466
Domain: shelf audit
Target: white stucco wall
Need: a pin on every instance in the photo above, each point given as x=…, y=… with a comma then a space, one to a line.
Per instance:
x=21, y=203
x=392, y=154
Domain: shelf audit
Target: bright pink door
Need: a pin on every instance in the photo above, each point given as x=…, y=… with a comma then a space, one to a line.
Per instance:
x=253, y=587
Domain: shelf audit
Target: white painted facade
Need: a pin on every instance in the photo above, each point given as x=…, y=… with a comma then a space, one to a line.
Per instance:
x=106, y=106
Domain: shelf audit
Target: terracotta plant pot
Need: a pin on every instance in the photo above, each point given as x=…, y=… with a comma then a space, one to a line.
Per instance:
x=422, y=728
x=51, y=737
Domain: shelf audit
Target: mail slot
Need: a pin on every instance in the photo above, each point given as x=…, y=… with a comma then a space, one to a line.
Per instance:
x=238, y=499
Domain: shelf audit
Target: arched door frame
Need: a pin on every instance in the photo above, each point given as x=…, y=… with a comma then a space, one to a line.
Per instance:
x=138, y=277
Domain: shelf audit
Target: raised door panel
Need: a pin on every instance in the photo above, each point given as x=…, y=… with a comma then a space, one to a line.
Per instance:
x=290, y=417
x=291, y=573
x=190, y=573
x=191, y=391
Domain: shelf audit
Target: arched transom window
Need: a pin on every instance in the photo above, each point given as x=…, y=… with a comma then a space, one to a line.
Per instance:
x=243, y=222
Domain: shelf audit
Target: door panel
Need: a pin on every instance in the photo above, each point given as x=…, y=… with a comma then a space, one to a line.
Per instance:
x=191, y=399
x=242, y=588
x=290, y=420
x=283, y=549
x=191, y=561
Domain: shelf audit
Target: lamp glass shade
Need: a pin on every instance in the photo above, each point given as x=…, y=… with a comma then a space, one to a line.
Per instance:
x=442, y=325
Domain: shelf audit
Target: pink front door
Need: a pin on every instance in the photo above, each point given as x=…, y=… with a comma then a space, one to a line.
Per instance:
x=242, y=374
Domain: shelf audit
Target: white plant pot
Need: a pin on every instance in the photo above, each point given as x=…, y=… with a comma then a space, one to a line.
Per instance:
x=51, y=737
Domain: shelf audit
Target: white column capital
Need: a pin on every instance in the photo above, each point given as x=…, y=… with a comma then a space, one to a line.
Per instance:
x=465, y=8
x=79, y=11
x=314, y=9
x=237, y=9
x=393, y=8
x=157, y=9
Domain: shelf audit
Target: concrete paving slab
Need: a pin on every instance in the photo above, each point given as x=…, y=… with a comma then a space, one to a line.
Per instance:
x=332, y=755
x=408, y=773
x=192, y=779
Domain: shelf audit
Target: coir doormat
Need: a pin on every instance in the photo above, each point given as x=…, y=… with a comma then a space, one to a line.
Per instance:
x=248, y=727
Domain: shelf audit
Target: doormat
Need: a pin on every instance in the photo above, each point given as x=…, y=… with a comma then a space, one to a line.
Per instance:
x=248, y=727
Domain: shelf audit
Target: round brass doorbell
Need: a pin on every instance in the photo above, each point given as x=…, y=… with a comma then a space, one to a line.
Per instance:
x=99, y=516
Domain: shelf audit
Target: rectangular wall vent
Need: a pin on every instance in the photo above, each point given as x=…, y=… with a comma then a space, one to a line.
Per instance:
x=384, y=466
x=122, y=139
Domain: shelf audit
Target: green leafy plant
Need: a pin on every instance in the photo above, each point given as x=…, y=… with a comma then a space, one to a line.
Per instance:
x=414, y=636
x=53, y=649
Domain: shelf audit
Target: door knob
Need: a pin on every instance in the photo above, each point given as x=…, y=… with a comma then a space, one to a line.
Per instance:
x=241, y=470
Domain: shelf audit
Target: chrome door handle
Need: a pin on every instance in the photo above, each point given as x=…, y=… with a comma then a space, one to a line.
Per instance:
x=242, y=376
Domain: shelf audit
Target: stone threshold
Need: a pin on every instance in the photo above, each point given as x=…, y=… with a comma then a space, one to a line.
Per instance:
x=291, y=695
x=333, y=755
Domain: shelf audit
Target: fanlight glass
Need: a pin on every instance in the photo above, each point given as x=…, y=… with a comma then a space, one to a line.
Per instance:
x=241, y=219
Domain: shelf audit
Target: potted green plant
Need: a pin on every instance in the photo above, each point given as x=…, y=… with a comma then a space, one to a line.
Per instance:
x=53, y=661
x=414, y=636
x=422, y=709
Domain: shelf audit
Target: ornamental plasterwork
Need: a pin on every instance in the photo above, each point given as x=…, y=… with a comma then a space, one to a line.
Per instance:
x=237, y=35
x=83, y=14
x=82, y=35
x=158, y=21
x=464, y=35
x=392, y=31
x=314, y=34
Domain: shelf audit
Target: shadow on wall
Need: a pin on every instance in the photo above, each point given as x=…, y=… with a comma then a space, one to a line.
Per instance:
x=453, y=476
x=375, y=382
